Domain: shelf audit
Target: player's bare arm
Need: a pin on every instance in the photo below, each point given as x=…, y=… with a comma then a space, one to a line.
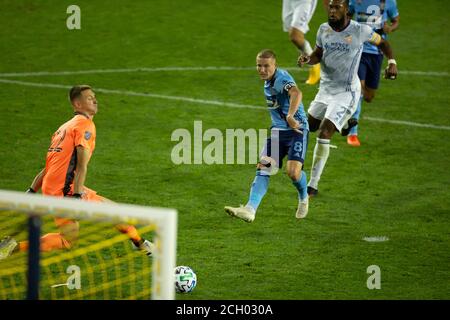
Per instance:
x=313, y=59
x=37, y=182
x=385, y=47
x=395, y=22
x=81, y=170
x=295, y=98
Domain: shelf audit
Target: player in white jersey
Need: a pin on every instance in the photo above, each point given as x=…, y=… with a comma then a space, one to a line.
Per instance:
x=339, y=46
x=296, y=15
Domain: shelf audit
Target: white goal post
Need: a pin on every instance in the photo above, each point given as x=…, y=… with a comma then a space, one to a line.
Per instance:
x=165, y=220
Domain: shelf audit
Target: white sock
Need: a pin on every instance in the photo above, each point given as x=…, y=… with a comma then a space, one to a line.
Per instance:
x=307, y=48
x=321, y=152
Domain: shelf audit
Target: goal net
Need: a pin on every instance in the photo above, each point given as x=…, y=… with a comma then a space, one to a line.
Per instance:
x=100, y=263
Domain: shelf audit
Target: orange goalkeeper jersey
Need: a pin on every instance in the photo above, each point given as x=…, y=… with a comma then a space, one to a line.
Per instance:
x=62, y=154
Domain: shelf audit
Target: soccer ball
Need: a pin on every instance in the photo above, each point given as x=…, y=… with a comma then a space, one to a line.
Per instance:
x=185, y=279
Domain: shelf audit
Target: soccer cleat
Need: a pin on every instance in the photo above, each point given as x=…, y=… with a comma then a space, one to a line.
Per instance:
x=314, y=74
x=7, y=246
x=350, y=124
x=312, y=192
x=146, y=246
x=241, y=212
x=353, y=140
x=302, y=209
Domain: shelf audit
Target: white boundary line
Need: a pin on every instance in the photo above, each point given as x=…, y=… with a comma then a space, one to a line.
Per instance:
x=126, y=70
x=408, y=123
x=138, y=94
x=169, y=69
x=206, y=102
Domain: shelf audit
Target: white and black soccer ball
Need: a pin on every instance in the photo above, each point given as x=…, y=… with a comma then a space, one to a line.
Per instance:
x=185, y=279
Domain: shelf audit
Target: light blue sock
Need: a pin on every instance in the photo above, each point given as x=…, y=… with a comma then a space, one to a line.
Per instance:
x=258, y=190
x=354, y=130
x=301, y=186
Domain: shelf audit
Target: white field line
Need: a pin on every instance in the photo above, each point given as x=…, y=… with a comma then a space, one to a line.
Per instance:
x=205, y=102
x=408, y=123
x=187, y=69
x=138, y=94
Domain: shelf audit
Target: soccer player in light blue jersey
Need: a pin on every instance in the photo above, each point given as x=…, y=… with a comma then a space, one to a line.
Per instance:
x=288, y=137
x=339, y=46
x=376, y=14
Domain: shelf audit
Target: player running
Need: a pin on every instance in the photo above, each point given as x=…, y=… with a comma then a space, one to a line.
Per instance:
x=338, y=49
x=296, y=15
x=289, y=136
x=64, y=175
x=376, y=14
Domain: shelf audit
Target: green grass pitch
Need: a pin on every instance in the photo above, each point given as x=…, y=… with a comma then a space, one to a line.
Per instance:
x=395, y=185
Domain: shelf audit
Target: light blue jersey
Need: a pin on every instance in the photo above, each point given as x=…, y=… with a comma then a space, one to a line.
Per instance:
x=277, y=97
x=374, y=13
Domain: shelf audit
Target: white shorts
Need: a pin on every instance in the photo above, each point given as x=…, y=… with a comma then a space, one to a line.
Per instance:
x=337, y=108
x=297, y=14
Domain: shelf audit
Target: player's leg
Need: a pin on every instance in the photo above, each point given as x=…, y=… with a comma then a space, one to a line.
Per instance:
x=363, y=69
x=268, y=165
x=294, y=17
x=316, y=113
x=372, y=79
x=296, y=23
x=258, y=189
x=64, y=239
x=313, y=123
x=302, y=15
x=369, y=73
x=352, y=137
x=129, y=230
x=296, y=158
x=337, y=114
x=297, y=37
x=320, y=155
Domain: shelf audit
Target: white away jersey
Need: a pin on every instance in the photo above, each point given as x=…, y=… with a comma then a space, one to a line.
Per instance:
x=341, y=55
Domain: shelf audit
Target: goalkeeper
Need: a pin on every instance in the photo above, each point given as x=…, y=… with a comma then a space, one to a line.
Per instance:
x=65, y=172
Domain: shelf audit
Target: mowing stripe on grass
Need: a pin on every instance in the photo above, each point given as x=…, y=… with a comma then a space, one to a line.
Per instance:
x=186, y=69
x=206, y=102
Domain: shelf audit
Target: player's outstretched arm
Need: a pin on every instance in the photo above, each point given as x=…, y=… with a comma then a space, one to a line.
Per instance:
x=37, y=182
x=80, y=170
x=313, y=59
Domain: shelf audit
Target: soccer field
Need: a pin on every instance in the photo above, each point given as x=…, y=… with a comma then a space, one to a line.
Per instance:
x=158, y=66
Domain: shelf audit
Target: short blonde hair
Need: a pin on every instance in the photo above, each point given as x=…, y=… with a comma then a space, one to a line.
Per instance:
x=266, y=54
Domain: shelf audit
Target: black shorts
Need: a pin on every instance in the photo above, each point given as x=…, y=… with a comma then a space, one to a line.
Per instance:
x=370, y=69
